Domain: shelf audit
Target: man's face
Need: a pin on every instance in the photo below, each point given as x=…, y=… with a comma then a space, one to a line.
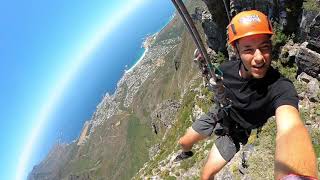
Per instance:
x=255, y=52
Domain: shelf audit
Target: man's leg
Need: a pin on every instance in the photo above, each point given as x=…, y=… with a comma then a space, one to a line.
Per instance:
x=186, y=142
x=214, y=164
x=189, y=139
x=223, y=150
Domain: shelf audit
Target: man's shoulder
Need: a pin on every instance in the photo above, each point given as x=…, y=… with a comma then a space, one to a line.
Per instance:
x=278, y=79
x=283, y=92
x=229, y=65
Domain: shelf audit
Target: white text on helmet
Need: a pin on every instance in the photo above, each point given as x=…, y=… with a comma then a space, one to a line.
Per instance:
x=250, y=19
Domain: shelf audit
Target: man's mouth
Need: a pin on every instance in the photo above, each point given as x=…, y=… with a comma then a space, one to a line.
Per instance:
x=259, y=66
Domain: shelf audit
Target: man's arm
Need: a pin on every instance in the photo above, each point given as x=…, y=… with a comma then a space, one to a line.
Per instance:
x=294, y=150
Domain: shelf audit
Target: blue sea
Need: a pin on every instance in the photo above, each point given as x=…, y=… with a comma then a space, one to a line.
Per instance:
x=120, y=50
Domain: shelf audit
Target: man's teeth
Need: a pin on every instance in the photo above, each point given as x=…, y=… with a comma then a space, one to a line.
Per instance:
x=259, y=66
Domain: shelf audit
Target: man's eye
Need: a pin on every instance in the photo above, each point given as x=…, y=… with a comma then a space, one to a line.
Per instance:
x=265, y=48
x=248, y=50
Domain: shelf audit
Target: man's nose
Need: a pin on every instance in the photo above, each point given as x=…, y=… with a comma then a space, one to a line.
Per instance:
x=258, y=57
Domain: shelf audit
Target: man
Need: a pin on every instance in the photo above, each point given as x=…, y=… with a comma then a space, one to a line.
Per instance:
x=257, y=92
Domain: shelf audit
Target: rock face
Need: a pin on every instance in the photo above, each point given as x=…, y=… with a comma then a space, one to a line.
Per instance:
x=220, y=22
x=307, y=54
x=284, y=12
x=50, y=167
x=314, y=34
x=293, y=10
x=308, y=61
x=214, y=39
x=163, y=115
x=306, y=19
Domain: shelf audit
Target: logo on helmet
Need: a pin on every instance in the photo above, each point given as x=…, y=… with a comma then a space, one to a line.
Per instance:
x=250, y=19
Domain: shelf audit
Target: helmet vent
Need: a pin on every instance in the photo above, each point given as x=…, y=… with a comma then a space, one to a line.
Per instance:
x=233, y=29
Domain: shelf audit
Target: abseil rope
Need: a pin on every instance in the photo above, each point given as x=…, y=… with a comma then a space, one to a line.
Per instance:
x=215, y=82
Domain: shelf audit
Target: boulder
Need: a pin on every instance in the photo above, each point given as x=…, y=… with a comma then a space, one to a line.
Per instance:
x=288, y=53
x=313, y=90
x=303, y=77
x=308, y=61
x=313, y=87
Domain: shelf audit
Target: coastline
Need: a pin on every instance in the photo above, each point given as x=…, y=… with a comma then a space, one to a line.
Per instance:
x=139, y=60
x=154, y=35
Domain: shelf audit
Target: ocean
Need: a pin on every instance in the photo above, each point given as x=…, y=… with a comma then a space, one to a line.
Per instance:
x=118, y=53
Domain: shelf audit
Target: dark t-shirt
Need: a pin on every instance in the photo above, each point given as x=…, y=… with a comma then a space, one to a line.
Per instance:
x=256, y=100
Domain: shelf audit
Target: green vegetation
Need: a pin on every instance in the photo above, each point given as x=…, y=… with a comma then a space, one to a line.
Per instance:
x=311, y=5
x=170, y=178
x=177, y=130
x=316, y=141
x=205, y=103
x=235, y=171
x=138, y=136
x=164, y=174
x=279, y=38
x=261, y=161
x=220, y=58
x=287, y=71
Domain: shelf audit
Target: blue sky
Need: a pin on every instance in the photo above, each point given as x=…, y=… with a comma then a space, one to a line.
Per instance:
x=44, y=45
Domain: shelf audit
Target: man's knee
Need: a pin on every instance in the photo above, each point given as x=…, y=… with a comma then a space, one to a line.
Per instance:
x=184, y=142
x=214, y=164
x=207, y=176
x=191, y=137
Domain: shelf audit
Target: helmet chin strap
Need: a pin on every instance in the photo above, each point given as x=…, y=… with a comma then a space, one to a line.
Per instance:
x=244, y=66
x=238, y=54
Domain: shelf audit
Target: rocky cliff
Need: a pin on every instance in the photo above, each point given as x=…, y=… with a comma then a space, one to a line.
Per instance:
x=134, y=131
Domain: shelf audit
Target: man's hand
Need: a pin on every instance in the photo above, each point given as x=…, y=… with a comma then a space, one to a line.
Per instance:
x=294, y=150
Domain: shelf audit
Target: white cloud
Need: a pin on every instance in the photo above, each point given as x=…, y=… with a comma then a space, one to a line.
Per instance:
x=79, y=61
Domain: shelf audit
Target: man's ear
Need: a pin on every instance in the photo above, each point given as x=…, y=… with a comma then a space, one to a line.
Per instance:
x=236, y=49
x=237, y=52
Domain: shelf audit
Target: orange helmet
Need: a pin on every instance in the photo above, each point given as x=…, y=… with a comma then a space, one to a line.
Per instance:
x=248, y=23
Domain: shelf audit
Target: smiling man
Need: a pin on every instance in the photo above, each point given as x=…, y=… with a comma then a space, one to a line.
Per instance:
x=257, y=92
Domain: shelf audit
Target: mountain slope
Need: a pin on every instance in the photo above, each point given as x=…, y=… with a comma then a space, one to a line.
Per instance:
x=134, y=132
x=115, y=145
